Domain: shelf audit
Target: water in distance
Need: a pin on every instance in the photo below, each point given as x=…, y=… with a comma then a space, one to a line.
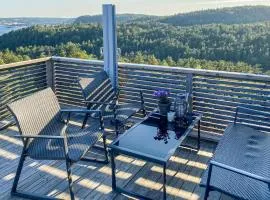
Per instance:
x=5, y=28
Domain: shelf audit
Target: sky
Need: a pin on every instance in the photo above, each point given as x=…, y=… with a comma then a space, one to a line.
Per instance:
x=75, y=8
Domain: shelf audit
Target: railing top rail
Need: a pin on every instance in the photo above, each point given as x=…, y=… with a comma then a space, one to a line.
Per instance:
x=77, y=60
x=23, y=63
x=214, y=73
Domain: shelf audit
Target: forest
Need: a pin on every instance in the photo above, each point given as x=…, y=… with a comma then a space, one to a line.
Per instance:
x=243, y=47
x=235, y=15
x=120, y=18
x=231, y=15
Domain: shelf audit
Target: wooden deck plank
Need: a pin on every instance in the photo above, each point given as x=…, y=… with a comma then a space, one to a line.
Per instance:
x=146, y=182
x=174, y=168
x=204, y=155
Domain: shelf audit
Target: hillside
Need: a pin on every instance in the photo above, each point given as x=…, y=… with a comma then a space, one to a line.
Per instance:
x=249, y=43
x=120, y=18
x=235, y=15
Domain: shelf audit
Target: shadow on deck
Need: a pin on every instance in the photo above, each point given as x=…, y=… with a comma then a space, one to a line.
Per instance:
x=93, y=181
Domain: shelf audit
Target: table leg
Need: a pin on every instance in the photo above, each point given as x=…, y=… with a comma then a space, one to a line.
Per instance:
x=199, y=136
x=113, y=171
x=164, y=181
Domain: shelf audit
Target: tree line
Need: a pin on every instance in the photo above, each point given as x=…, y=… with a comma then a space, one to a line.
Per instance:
x=234, y=15
x=244, y=47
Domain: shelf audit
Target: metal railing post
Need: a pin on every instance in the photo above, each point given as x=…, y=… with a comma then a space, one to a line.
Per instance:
x=50, y=73
x=189, y=90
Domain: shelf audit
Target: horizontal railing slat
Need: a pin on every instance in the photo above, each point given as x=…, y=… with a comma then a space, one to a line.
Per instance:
x=155, y=74
x=123, y=77
x=21, y=79
x=200, y=72
x=24, y=63
x=66, y=74
x=235, y=99
x=253, y=90
x=75, y=72
x=233, y=94
x=228, y=82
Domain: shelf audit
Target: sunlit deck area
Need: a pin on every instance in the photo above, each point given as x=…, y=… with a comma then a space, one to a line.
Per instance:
x=93, y=181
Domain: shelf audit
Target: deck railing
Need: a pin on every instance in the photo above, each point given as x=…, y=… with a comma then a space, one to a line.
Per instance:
x=66, y=73
x=216, y=94
x=21, y=79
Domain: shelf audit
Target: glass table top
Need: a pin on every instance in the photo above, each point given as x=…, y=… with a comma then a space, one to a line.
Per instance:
x=155, y=137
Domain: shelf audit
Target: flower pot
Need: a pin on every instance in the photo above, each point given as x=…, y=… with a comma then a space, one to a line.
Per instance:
x=164, y=108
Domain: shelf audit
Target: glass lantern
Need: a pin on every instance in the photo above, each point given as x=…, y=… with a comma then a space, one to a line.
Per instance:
x=181, y=105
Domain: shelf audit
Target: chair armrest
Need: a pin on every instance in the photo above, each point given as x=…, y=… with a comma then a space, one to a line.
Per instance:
x=40, y=136
x=56, y=137
x=239, y=171
x=80, y=111
x=245, y=110
x=100, y=103
x=85, y=111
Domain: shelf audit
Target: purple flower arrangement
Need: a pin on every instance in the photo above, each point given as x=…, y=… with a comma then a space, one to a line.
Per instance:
x=162, y=95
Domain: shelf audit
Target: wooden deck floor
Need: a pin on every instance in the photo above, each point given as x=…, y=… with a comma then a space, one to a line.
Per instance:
x=93, y=181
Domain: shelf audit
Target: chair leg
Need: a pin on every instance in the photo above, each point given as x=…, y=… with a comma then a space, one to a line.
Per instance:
x=207, y=188
x=70, y=183
x=85, y=120
x=21, y=194
x=116, y=126
x=18, y=173
x=144, y=112
x=105, y=150
x=86, y=116
x=101, y=161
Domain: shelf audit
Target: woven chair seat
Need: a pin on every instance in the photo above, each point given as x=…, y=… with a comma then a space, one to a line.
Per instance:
x=79, y=142
x=247, y=149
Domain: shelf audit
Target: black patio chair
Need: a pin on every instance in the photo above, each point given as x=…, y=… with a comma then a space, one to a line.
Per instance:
x=47, y=136
x=241, y=163
x=99, y=94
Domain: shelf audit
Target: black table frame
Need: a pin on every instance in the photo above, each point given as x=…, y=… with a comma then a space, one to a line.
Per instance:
x=115, y=150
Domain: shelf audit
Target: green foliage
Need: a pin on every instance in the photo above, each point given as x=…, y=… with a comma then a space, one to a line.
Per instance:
x=235, y=15
x=249, y=43
x=120, y=18
x=72, y=50
x=220, y=65
x=52, y=36
x=267, y=73
x=8, y=56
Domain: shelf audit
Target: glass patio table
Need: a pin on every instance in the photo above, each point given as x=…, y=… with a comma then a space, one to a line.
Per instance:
x=154, y=140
